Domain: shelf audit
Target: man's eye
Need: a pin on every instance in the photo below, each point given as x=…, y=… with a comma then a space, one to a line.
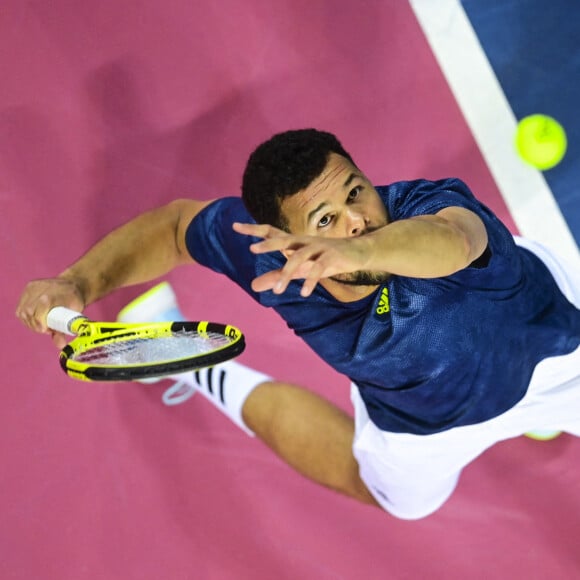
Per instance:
x=353, y=193
x=324, y=221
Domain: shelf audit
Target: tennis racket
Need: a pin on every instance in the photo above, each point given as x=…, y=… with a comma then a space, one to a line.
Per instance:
x=113, y=351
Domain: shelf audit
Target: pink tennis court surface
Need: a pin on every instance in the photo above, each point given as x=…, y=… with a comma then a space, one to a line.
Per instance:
x=110, y=108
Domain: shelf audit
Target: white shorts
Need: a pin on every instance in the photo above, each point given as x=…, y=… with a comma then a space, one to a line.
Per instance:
x=411, y=476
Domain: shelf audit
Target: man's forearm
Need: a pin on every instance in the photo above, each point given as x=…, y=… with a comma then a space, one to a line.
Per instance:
x=143, y=249
x=420, y=247
x=424, y=247
x=140, y=250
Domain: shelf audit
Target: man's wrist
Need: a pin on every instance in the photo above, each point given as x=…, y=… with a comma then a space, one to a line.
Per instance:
x=79, y=283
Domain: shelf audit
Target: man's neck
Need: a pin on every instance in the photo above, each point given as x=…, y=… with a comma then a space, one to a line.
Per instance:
x=347, y=292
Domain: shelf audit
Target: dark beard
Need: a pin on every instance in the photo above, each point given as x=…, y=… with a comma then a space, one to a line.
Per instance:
x=362, y=278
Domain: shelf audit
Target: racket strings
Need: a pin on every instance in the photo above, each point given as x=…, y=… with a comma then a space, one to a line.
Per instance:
x=155, y=349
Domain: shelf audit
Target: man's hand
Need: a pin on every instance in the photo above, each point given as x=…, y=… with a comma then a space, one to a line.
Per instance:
x=425, y=246
x=141, y=250
x=40, y=296
x=311, y=258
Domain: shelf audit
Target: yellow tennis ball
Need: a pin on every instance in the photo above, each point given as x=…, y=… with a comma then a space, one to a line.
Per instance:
x=541, y=141
x=543, y=435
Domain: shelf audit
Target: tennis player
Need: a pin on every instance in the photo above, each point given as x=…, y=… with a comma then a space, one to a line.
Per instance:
x=454, y=334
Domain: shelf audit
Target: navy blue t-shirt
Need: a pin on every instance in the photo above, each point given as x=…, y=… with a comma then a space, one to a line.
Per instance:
x=426, y=354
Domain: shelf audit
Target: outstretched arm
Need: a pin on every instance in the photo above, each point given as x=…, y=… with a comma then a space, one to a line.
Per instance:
x=143, y=249
x=428, y=246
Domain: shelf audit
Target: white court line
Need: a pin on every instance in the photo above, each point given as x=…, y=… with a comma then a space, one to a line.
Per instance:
x=493, y=124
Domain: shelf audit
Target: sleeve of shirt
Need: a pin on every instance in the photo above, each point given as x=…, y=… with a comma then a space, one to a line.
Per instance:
x=407, y=199
x=212, y=242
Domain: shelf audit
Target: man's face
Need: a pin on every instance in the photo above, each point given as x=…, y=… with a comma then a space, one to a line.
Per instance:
x=340, y=203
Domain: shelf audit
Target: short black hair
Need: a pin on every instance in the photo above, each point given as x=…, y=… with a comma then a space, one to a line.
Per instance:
x=282, y=166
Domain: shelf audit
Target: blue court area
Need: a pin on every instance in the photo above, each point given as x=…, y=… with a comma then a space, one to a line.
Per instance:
x=110, y=108
x=534, y=49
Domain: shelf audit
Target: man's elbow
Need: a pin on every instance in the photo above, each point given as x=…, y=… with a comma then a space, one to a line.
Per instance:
x=469, y=232
x=476, y=241
x=182, y=212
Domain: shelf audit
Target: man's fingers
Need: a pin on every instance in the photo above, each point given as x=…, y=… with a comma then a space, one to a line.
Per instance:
x=274, y=239
x=60, y=340
x=298, y=266
x=278, y=280
x=309, y=258
x=40, y=296
x=266, y=281
x=272, y=245
x=34, y=315
x=257, y=230
x=316, y=273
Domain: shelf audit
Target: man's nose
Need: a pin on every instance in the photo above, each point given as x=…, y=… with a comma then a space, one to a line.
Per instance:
x=355, y=223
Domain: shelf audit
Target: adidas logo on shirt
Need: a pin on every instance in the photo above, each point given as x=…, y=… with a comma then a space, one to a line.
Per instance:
x=383, y=306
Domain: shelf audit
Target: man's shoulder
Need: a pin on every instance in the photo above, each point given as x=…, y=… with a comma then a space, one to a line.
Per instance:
x=406, y=199
x=226, y=207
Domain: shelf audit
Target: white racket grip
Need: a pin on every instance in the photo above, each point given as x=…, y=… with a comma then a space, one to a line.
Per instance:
x=60, y=319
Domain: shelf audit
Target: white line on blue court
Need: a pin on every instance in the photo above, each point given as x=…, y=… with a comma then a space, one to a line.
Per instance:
x=493, y=124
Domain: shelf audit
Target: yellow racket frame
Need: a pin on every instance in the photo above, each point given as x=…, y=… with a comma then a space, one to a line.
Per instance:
x=90, y=334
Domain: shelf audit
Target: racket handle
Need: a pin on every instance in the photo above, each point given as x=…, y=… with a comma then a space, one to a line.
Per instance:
x=61, y=319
